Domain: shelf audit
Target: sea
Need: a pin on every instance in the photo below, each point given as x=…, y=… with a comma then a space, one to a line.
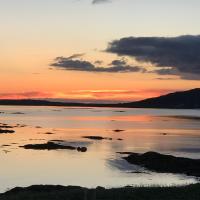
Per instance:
x=167, y=131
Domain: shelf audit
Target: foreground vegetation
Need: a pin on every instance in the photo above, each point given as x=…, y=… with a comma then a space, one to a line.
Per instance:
x=191, y=192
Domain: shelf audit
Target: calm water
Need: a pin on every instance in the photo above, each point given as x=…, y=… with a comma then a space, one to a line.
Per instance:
x=175, y=132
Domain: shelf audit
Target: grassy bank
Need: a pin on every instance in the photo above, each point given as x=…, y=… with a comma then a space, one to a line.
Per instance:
x=191, y=192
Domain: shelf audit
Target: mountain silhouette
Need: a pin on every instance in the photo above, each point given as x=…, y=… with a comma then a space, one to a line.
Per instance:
x=179, y=100
x=188, y=99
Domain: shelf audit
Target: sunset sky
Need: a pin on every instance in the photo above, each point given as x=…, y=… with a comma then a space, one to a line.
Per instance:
x=118, y=50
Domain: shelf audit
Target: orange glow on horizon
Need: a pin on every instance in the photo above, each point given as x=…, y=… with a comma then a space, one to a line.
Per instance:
x=114, y=95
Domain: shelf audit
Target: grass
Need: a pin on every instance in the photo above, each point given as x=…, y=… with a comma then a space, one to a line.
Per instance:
x=191, y=192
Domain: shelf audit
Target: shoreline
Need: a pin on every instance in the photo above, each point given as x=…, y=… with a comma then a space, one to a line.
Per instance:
x=57, y=192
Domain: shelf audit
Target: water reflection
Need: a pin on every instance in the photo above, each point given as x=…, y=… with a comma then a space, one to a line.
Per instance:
x=143, y=130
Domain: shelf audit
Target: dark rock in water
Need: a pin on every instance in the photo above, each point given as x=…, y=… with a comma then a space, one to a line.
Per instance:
x=18, y=113
x=6, y=126
x=165, y=163
x=47, y=146
x=122, y=153
x=38, y=127
x=6, y=131
x=118, y=130
x=52, y=146
x=57, y=141
x=20, y=125
x=49, y=133
x=97, y=138
x=38, y=139
x=5, y=145
x=82, y=149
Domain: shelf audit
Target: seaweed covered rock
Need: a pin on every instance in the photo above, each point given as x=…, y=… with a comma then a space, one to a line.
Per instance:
x=165, y=163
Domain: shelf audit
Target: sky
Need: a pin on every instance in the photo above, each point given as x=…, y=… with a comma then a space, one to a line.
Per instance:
x=100, y=50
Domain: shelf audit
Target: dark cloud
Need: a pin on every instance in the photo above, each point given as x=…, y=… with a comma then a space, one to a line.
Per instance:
x=166, y=71
x=98, y=62
x=164, y=79
x=77, y=55
x=174, y=55
x=118, y=62
x=76, y=64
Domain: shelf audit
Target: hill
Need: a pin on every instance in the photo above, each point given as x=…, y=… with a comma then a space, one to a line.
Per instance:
x=186, y=100
x=179, y=100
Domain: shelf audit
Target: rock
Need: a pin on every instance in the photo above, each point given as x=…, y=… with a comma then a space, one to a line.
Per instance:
x=124, y=153
x=47, y=146
x=118, y=130
x=18, y=113
x=6, y=131
x=49, y=133
x=97, y=138
x=38, y=127
x=6, y=126
x=165, y=163
x=52, y=146
x=82, y=149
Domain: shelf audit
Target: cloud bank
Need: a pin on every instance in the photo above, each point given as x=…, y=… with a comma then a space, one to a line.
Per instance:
x=173, y=55
x=74, y=63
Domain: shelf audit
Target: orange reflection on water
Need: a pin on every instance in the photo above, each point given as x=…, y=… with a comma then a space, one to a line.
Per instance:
x=139, y=118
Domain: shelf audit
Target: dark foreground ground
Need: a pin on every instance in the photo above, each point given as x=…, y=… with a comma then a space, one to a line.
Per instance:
x=191, y=192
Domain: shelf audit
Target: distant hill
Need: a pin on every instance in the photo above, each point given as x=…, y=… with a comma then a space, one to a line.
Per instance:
x=186, y=100
x=35, y=102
